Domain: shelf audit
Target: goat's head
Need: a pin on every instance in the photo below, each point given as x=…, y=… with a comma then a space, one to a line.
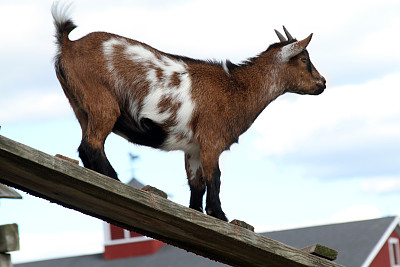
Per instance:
x=301, y=76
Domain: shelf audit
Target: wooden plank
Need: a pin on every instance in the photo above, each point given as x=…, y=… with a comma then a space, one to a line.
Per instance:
x=243, y=224
x=8, y=192
x=9, y=238
x=68, y=159
x=321, y=251
x=154, y=190
x=94, y=194
x=5, y=260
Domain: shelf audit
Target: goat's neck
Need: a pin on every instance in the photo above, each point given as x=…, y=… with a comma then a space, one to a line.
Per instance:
x=262, y=84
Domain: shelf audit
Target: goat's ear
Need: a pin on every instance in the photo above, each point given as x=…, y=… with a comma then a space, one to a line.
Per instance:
x=293, y=49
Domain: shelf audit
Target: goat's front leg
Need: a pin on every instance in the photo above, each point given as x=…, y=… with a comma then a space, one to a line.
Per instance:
x=196, y=181
x=213, y=203
x=212, y=176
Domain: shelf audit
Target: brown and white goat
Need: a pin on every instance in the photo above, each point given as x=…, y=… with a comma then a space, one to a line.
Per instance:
x=170, y=102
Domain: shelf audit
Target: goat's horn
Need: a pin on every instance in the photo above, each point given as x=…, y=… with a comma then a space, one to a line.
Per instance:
x=288, y=35
x=280, y=36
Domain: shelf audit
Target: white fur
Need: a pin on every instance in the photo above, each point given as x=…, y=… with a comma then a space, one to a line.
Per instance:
x=194, y=163
x=158, y=90
x=225, y=67
x=288, y=51
x=108, y=49
x=61, y=11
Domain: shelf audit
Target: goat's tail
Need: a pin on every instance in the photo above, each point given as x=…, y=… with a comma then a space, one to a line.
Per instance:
x=62, y=22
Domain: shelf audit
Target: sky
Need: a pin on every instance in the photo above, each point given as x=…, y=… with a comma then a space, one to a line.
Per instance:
x=307, y=160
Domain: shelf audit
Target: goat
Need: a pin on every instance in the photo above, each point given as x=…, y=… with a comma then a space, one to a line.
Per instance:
x=171, y=102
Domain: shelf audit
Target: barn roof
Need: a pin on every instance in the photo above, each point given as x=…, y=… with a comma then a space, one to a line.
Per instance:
x=354, y=241
x=166, y=256
x=135, y=183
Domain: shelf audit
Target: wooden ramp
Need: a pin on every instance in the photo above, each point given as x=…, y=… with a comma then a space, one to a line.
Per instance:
x=78, y=188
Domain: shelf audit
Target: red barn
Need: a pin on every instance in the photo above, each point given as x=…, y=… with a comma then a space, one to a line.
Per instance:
x=368, y=243
x=386, y=251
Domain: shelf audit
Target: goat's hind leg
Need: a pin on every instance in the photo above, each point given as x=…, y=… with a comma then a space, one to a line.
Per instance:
x=101, y=119
x=95, y=159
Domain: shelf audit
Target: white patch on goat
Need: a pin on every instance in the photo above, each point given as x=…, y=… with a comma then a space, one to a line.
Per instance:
x=134, y=108
x=108, y=51
x=194, y=163
x=272, y=85
x=180, y=135
x=288, y=51
x=150, y=108
x=225, y=67
x=182, y=95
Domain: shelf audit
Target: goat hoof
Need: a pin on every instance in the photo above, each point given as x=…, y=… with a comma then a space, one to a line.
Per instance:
x=197, y=208
x=219, y=214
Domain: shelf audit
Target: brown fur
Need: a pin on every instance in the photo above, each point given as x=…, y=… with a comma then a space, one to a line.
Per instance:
x=226, y=104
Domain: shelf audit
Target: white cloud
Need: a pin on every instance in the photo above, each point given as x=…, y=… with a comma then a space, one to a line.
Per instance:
x=298, y=117
x=16, y=14
x=356, y=213
x=33, y=105
x=57, y=245
x=348, y=130
x=380, y=43
x=27, y=28
x=381, y=185
x=349, y=214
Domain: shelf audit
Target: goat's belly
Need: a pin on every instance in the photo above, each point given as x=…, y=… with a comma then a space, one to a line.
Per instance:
x=179, y=142
x=154, y=135
x=149, y=134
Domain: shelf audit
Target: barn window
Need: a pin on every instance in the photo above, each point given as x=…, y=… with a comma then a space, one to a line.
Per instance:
x=394, y=252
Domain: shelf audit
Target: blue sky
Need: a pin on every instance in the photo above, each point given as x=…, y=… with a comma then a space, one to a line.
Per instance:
x=307, y=160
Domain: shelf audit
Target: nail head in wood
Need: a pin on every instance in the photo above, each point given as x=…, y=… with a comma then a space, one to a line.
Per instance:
x=155, y=191
x=243, y=224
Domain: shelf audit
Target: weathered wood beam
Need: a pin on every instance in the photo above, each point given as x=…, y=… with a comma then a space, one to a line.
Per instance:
x=9, y=238
x=94, y=194
x=5, y=260
x=7, y=192
x=321, y=251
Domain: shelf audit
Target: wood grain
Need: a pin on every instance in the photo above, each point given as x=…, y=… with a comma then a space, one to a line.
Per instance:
x=96, y=195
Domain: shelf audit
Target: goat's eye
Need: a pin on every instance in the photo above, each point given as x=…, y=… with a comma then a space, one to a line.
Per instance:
x=304, y=60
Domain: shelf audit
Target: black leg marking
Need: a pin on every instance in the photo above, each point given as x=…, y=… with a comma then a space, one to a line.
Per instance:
x=196, y=197
x=94, y=159
x=213, y=203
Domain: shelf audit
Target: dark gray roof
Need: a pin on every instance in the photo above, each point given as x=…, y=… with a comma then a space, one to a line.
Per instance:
x=135, y=183
x=167, y=256
x=353, y=240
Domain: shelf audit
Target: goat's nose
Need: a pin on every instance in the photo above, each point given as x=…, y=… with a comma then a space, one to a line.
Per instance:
x=321, y=83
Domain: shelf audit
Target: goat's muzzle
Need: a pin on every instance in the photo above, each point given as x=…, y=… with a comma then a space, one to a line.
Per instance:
x=320, y=86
